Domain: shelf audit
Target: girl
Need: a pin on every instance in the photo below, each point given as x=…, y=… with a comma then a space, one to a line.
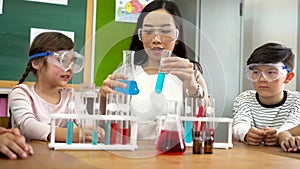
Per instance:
x=159, y=27
x=53, y=62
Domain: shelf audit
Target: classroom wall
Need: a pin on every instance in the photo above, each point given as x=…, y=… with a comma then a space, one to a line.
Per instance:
x=269, y=20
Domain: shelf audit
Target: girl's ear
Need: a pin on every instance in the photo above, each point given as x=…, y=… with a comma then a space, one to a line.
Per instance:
x=290, y=76
x=36, y=64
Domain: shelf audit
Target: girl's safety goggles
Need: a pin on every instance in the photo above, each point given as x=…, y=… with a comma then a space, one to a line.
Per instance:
x=64, y=59
x=270, y=72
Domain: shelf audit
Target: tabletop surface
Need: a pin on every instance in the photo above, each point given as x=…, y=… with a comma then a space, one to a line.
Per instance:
x=241, y=156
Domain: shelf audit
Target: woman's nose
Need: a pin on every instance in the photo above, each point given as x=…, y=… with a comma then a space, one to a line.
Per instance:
x=156, y=38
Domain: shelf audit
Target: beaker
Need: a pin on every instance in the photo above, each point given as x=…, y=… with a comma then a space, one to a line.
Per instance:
x=161, y=75
x=170, y=140
x=128, y=69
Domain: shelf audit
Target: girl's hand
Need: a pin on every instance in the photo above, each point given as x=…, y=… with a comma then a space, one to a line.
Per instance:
x=88, y=134
x=111, y=82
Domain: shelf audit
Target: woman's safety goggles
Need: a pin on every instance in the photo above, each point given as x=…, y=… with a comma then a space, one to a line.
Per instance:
x=164, y=34
x=65, y=59
x=270, y=72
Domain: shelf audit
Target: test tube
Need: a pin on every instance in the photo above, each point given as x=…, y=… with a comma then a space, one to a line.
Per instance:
x=189, y=108
x=161, y=75
x=69, y=132
x=110, y=108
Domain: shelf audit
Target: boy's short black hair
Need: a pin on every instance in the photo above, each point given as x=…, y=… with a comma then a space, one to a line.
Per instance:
x=273, y=53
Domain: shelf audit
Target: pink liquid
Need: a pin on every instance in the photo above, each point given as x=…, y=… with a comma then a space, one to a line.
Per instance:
x=114, y=130
x=168, y=143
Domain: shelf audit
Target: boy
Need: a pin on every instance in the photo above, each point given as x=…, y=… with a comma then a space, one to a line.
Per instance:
x=260, y=114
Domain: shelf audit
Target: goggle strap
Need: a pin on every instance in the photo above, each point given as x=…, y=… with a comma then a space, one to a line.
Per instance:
x=40, y=55
x=285, y=67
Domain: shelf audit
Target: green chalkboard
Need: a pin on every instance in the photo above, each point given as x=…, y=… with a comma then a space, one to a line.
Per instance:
x=17, y=19
x=111, y=38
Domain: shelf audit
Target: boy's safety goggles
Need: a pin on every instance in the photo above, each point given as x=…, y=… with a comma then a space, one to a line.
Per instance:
x=64, y=59
x=270, y=72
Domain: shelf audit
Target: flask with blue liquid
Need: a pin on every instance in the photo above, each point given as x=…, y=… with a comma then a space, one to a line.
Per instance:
x=128, y=68
x=161, y=75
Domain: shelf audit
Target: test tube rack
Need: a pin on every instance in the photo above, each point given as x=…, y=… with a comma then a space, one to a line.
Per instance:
x=225, y=145
x=132, y=145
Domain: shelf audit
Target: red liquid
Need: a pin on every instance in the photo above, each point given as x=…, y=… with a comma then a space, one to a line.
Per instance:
x=124, y=135
x=168, y=143
x=114, y=130
x=200, y=114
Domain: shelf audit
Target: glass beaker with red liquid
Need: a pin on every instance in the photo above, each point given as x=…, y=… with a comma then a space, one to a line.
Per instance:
x=171, y=137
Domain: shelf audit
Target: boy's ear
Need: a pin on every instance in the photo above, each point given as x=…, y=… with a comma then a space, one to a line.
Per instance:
x=290, y=76
x=36, y=64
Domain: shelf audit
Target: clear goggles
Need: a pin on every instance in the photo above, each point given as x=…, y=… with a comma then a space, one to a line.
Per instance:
x=164, y=34
x=270, y=72
x=64, y=59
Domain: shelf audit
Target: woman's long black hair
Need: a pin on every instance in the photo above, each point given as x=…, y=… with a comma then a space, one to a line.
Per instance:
x=180, y=48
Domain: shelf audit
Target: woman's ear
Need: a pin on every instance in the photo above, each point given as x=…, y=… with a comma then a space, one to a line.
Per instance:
x=36, y=64
x=290, y=76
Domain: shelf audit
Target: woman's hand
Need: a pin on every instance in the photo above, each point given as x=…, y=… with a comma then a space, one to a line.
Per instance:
x=111, y=82
x=12, y=144
x=184, y=70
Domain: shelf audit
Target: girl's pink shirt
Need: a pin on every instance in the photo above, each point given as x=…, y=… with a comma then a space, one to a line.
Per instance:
x=31, y=113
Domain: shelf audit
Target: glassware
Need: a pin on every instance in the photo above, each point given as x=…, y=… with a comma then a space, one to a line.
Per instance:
x=161, y=75
x=128, y=69
x=197, y=142
x=191, y=107
x=208, y=142
x=170, y=140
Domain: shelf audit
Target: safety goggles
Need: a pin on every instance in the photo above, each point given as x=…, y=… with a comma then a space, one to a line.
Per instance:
x=270, y=72
x=64, y=59
x=164, y=34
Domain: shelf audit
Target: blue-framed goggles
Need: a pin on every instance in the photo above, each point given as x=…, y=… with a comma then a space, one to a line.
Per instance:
x=64, y=59
x=270, y=71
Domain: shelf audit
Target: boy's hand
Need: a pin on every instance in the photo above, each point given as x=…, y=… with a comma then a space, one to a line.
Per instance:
x=255, y=136
x=271, y=136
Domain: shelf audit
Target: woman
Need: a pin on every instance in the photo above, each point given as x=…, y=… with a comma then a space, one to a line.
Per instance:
x=159, y=27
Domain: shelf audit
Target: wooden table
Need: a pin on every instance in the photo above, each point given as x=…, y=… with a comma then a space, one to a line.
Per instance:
x=241, y=157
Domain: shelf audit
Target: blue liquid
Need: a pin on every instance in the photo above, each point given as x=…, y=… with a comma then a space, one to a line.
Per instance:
x=69, y=132
x=107, y=133
x=131, y=89
x=188, y=125
x=160, y=82
x=94, y=137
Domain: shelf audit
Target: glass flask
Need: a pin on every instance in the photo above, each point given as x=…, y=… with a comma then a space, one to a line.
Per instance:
x=128, y=69
x=170, y=140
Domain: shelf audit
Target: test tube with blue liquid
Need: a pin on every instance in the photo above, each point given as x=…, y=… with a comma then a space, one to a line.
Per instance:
x=189, y=109
x=128, y=69
x=161, y=75
x=69, y=132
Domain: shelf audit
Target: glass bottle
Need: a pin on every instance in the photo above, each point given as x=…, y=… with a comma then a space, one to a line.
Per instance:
x=197, y=142
x=128, y=69
x=170, y=140
x=208, y=143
